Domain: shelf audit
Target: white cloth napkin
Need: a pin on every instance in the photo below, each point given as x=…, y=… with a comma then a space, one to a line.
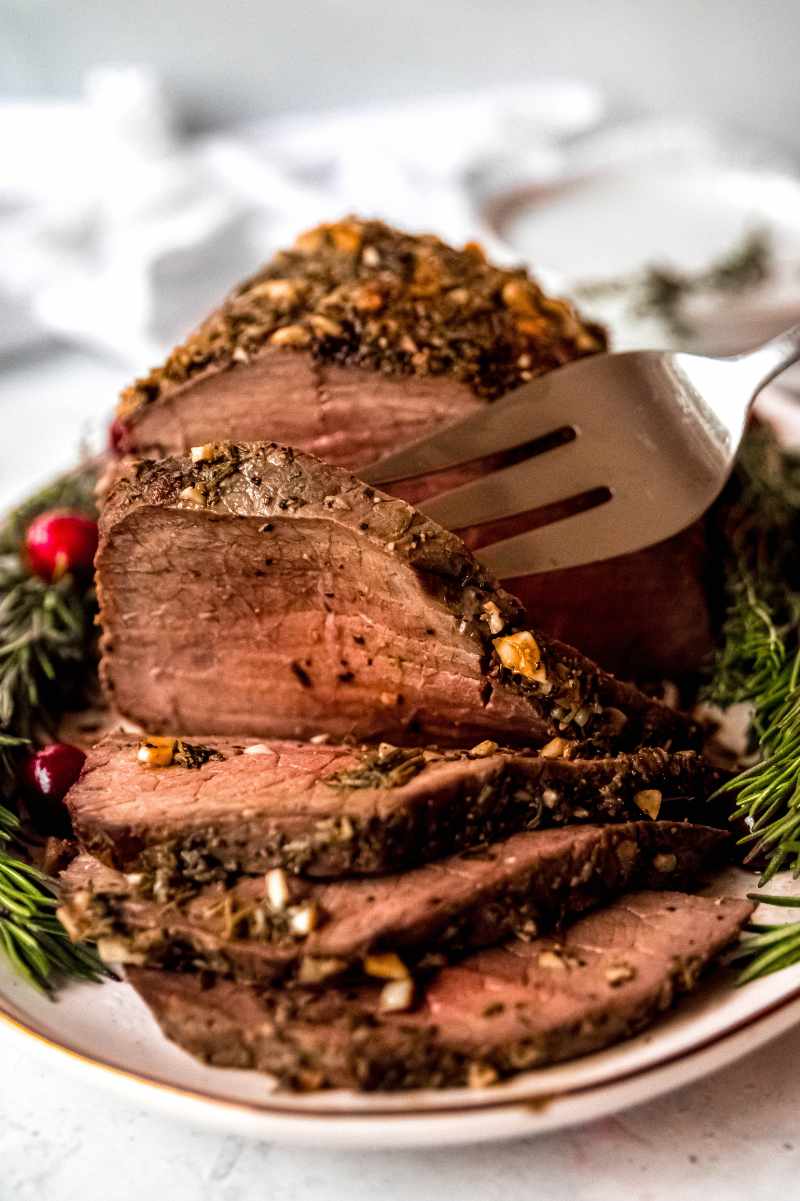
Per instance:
x=118, y=235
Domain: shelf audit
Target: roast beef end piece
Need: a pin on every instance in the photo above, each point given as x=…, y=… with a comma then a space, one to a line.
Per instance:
x=360, y=295
x=259, y=590
x=500, y=1011
x=349, y=416
x=524, y=885
x=336, y=810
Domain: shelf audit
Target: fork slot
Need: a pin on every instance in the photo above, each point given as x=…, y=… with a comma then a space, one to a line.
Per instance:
x=488, y=533
x=516, y=421
x=583, y=537
x=552, y=476
x=498, y=460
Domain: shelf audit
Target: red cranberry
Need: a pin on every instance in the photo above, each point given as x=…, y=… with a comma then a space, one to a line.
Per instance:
x=118, y=437
x=58, y=542
x=47, y=776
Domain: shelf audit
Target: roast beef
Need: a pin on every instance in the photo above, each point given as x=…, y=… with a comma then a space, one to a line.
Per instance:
x=253, y=589
x=362, y=339
x=358, y=338
x=522, y=1005
x=525, y=884
x=334, y=811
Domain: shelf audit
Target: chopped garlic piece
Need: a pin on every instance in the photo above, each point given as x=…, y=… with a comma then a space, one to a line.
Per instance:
x=257, y=748
x=386, y=966
x=520, y=653
x=396, y=996
x=554, y=749
x=619, y=973
x=194, y=495
x=115, y=950
x=551, y=959
x=314, y=969
x=304, y=920
x=156, y=752
x=481, y=1075
x=205, y=453
x=276, y=887
x=649, y=801
x=494, y=617
x=484, y=749
x=627, y=852
x=290, y=335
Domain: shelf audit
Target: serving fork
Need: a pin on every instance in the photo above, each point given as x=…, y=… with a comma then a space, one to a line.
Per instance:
x=599, y=458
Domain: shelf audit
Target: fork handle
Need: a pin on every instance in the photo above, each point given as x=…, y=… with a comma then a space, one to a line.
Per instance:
x=770, y=359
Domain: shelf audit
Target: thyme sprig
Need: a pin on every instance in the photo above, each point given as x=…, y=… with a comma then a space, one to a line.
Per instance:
x=661, y=291
x=45, y=646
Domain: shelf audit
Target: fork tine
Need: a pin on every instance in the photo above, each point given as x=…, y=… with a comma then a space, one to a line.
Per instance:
x=493, y=428
x=561, y=472
x=585, y=537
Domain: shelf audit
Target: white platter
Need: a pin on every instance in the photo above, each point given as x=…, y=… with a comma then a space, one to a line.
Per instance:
x=105, y=1032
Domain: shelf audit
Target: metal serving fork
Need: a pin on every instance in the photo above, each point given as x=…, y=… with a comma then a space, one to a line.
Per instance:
x=607, y=455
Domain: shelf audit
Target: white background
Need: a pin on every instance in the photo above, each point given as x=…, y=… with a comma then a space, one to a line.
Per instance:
x=734, y=1137
x=736, y=60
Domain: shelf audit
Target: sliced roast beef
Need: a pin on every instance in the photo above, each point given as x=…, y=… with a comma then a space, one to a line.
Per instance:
x=261, y=928
x=293, y=356
x=334, y=811
x=251, y=588
x=501, y=1010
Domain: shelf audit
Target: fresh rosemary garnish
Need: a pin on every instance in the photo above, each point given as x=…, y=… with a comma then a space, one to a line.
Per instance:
x=759, y=663
x=759, y=659
x=770, y=948
x=45, y=646
x=662, y=291
x=31, y=936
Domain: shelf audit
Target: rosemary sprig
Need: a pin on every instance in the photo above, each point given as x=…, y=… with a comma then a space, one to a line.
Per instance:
x=770, y=948
x=759, y=659
x=31, y=936
x=45, y=645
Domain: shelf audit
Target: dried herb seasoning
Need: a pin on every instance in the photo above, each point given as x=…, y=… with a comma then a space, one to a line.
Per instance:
x=359, y=293
x=385, y=767
x=193, y=754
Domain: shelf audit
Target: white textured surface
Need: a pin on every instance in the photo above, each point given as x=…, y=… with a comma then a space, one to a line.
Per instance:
x=732, y=1138
x=735, y=1136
